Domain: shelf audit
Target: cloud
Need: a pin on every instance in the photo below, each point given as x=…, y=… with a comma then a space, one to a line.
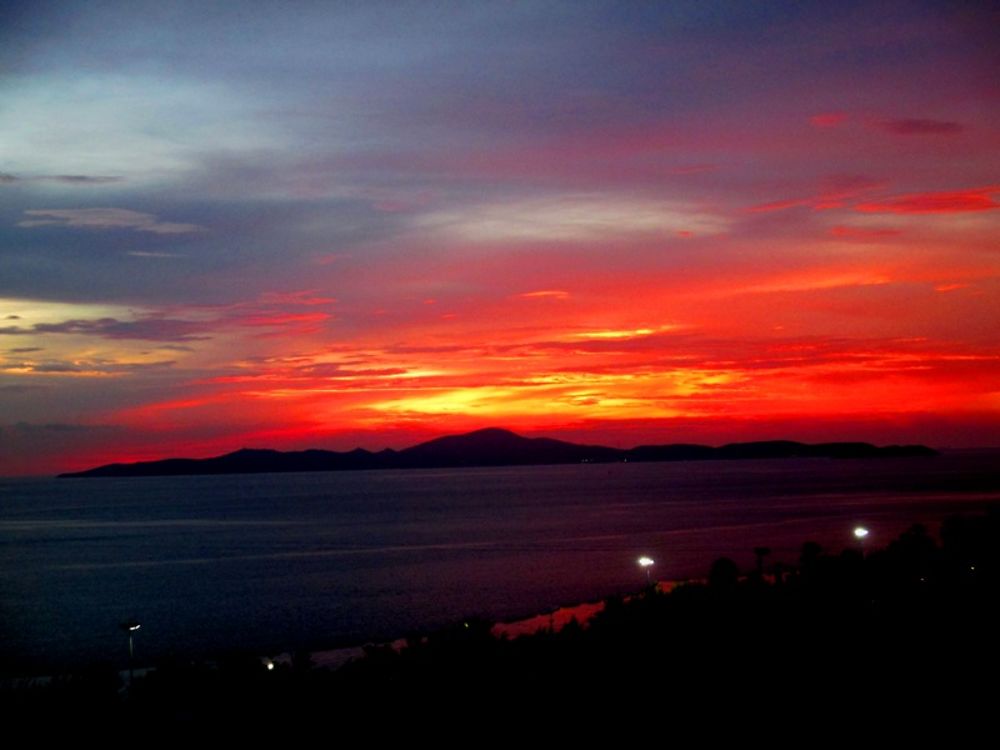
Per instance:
x=83, y=179
x=828, y=119
x=266, y=319
x=148, y=329
x=919, y=127
x=780, y=205
x=66, y=179
x=959, y=201
x=834, y=191
x=59, y=427
x=268, y=311
x=87, y=367
x=105, y=218
x=620, y=334
x=306, y=297
x=545, y=294
x=52, y=367
x=862, y=234
x=572, y=217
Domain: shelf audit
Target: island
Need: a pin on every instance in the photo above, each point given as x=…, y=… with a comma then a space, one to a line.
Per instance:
x=489, y=447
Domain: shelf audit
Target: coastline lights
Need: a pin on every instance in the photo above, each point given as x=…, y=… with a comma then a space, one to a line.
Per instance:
x=646, y=563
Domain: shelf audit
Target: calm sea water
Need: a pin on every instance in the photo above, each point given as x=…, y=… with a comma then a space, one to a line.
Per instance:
x=283, y=561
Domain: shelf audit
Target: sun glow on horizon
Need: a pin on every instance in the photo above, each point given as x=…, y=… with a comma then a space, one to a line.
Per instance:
x=356, y=240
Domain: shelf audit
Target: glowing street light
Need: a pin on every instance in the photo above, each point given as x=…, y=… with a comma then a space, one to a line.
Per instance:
x=860, y=533
x=646, y=563
x=130, y=626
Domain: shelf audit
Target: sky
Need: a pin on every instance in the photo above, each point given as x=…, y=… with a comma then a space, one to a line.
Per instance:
x=339, y=224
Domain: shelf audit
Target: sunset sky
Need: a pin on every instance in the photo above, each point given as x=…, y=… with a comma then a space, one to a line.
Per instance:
x=332, y=224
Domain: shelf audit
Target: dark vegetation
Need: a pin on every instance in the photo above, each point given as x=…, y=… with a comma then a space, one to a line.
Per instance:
x=911, y=627
x=489, y=447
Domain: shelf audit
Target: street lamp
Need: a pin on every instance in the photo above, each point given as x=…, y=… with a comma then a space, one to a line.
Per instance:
x=860, y=532
x=646, y=563
x=130, y=626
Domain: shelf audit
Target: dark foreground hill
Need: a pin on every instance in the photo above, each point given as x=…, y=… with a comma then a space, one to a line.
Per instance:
x=892, y=636
x=488, y=447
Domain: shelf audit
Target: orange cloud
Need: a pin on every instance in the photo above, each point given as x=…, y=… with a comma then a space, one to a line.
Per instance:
x=545, y=293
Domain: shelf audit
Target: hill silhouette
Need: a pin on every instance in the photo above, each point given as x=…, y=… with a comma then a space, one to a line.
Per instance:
x=486, y=447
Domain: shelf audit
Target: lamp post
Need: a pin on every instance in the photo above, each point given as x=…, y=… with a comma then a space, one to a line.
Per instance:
x=129, y=627
x=646, y=563
x=860, y=532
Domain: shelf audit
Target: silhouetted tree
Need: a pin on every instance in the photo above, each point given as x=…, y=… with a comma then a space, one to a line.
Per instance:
x=724, y=574
x=809, y=555
x=760, y=553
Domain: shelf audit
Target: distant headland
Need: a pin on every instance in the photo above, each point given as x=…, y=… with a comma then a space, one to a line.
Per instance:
x=488, y=447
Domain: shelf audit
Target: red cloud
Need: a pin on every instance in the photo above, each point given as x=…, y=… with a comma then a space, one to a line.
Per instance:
x=860, y=233
x=833, y=193
x=828, y=119
x=307, y=297
x=960, y=201
x=778, y=205
x=283, y=319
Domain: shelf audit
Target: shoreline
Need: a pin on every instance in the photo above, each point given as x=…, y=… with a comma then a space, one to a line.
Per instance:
x=335, y=658
x=922, y=612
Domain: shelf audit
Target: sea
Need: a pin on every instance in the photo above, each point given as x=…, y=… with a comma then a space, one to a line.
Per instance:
x=272, y=563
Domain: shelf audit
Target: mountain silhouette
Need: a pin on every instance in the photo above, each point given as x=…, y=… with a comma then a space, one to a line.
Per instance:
x=486, y=447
